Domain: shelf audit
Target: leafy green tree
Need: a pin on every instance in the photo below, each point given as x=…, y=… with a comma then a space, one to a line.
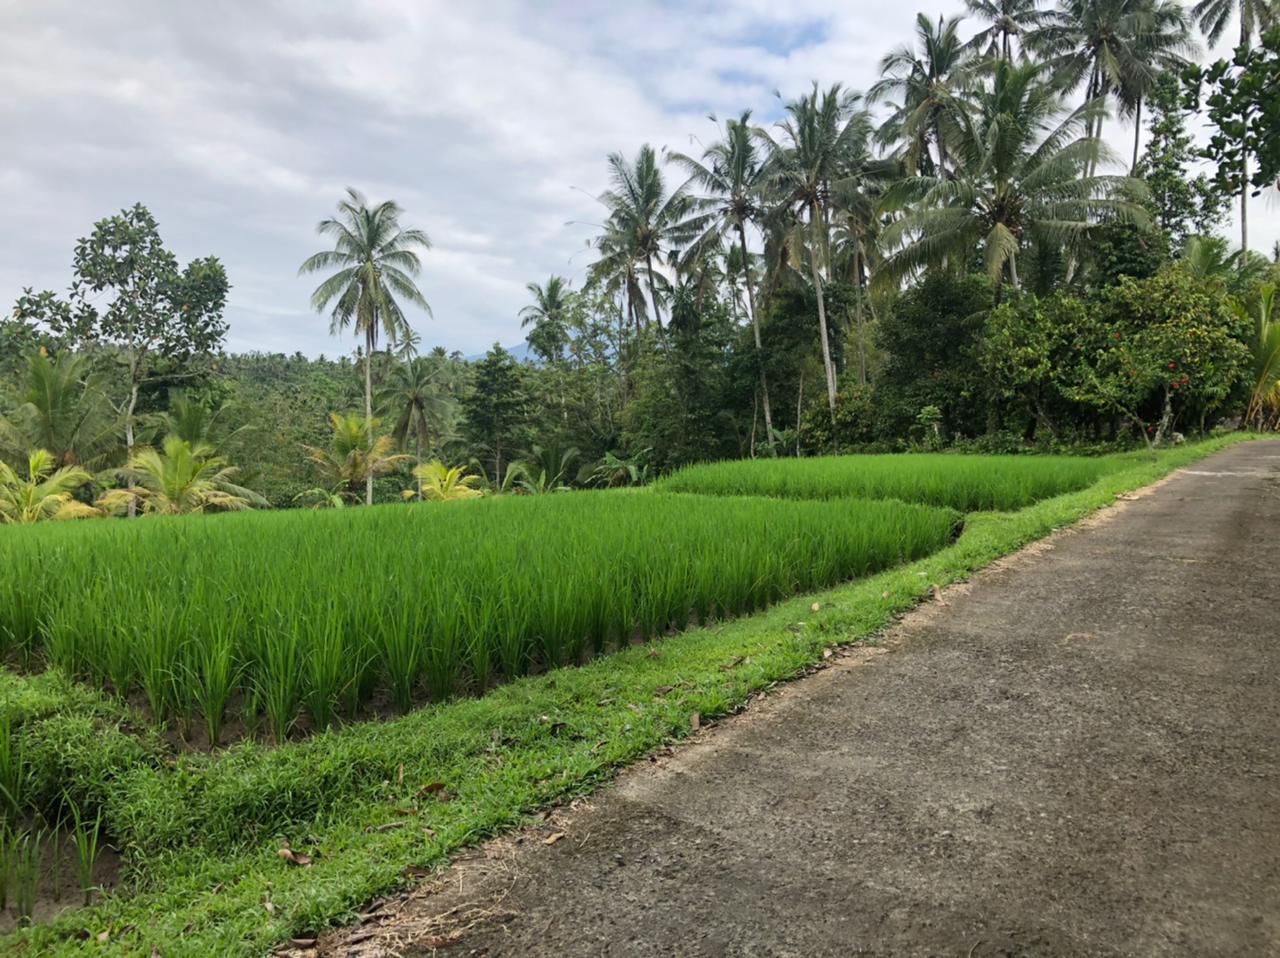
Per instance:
x=1028, y=350
x=129, y=295
x=45, y=492
x=1168, y=348
x=680, y=408
x=62, y=408
x=1242, y=102
x=929, y=340
x=375, y=261
x=177, y=480
x=496, y=409
x=1020, y=178
x=1182, y=205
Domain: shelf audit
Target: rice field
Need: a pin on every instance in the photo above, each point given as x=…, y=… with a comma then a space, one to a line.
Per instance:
x=966, y=483
x=280, y=618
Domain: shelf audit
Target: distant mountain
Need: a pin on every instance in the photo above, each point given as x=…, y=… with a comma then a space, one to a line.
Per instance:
x=521, y=353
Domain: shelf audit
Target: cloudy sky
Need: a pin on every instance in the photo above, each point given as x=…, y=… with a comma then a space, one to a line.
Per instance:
x=239, y=124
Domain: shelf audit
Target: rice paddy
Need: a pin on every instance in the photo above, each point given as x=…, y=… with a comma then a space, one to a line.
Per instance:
x=966, y=483
x=277, y=619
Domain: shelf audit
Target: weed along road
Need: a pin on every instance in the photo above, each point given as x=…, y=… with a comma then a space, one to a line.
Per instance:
x=1076, y=754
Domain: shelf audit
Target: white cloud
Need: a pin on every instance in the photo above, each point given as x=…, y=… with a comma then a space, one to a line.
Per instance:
x=239, y=125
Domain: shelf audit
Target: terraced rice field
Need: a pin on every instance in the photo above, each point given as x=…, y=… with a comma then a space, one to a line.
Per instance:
x=274, y=618
x=967, y=483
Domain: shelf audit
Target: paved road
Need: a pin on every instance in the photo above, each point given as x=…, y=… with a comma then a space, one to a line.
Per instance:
x=1077, y=755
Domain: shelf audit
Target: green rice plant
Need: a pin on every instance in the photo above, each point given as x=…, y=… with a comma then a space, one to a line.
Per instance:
x=87, y=837
x=6, y=863
x=26, y=859
x=281, y=611
x=13, y=773
x=280, y=681
x=211, y=673
x=967, y=483
x=328, y=669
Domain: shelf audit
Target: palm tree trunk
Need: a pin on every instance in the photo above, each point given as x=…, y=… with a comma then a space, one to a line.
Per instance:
x=862, y=344
x=128, y=429
x=368, y=414
x=653, y=292
x=822, y=314
x=1013, y=271
x=1137, y=136
x=755, y=328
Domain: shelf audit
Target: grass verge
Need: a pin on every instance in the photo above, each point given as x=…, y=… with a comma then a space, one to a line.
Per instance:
x=460, y=772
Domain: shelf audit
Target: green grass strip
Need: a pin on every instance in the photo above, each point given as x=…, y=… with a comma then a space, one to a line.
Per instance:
x=519, y=749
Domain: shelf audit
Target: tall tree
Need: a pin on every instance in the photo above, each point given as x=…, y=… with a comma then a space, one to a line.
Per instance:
x=818, y=134
x=548, y=314
x=1115, y=48
x=1184, y=205
x=1006, y=19
x=130, y=297
x=924, y=83
x=1243, y=106
x=732, y=175
x=1020, y=178
x=375, y=261
x=646, y=222
x=497, y=408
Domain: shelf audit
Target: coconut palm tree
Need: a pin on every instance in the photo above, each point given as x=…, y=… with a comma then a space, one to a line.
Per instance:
x=549, y=317
x=200, y=425
x=440, y=483
x=1164, y=45
x=816, y=139
x=924, y=86
x=418, y=397
x=46, y=492
x=733, y=178
x=1115, y=48
x=180, y=479
x=1019, y=178
x=375, y=260
x=1256, y=17
x=1006, y=19
x=856, y=225
x=645, y=221
x=63, y=408
x=353, y=460
x=1263, y=407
